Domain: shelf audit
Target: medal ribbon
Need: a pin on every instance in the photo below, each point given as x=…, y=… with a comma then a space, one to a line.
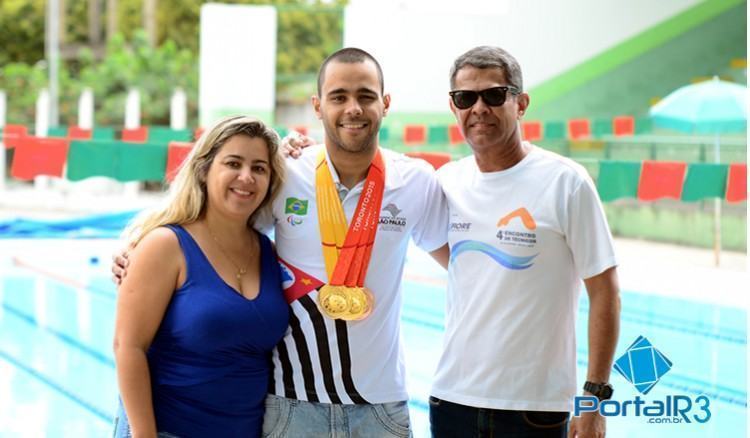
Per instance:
x=346, y=250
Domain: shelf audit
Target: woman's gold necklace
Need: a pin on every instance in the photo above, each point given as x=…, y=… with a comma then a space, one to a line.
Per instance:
x=240, y=271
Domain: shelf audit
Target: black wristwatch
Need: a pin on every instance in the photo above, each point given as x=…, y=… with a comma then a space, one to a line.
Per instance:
x=602, y=391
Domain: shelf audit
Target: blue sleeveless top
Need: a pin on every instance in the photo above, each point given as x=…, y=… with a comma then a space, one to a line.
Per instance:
x=210, y=358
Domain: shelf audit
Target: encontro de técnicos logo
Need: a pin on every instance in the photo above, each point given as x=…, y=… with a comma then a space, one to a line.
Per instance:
x=643, y=366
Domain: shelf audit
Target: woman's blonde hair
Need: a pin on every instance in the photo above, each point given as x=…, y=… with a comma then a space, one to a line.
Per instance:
x=186, y=200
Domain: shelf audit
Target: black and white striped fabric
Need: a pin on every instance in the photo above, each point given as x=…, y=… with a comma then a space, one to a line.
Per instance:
x=352, y=362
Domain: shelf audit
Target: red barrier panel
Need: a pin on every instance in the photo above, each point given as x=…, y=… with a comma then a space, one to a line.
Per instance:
x=532, y=130
x=78, y=133
x=454, y=135
x=737, y=182
x=12, y=134
x=137, y=135
x=623, y=126
x=36, y=156
x=415, y=134
x=177, y=151
x=436, y=159
x=579, y=129
x=661, y=179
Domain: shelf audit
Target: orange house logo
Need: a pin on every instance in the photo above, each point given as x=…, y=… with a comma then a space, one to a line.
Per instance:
x=520, y=213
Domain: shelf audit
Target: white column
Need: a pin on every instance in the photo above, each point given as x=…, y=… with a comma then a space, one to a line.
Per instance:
x=132, y=121
x=40, y=130
x=86, y=109
x=178, y=109
x=133, y=109
x=42, y=114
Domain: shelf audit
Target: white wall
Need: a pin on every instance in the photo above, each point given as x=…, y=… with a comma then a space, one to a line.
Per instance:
x=237, y=61
x=417, y=41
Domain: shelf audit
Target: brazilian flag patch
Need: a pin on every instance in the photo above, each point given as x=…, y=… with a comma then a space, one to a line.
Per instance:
x=296, y=206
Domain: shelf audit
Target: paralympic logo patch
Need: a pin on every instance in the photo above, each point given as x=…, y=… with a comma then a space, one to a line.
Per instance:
x=643, y=365
x=294, y=220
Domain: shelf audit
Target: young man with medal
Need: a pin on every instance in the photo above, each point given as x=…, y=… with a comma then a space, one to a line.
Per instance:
x=537, y=228
x=343, y=222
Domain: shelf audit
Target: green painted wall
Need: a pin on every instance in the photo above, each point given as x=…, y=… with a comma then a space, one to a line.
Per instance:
x=683, y=223
x=699, y=42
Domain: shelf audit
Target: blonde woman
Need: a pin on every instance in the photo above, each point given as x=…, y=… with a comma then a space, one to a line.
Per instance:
x=201, y=307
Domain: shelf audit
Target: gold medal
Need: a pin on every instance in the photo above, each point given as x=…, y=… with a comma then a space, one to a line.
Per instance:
x=333, y=301
x=360, y=303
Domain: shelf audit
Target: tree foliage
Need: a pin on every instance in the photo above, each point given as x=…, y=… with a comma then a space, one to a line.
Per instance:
x=155, y=72
x=21, y=31
x=307, y=30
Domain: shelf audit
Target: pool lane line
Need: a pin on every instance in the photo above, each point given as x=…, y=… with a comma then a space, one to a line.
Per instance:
x=29, y=319
x=652, y=318
x=68, y=281
x=60, y=389
x=627, y=315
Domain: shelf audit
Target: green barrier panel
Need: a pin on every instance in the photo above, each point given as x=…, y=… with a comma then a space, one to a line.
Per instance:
x=117, y=160
x=602, y=127
x=437, y=134
x=165, y=134
x=57, y=131
x=554, y=131
x=103, y=133
x=282, y=131
x=643, y=125
x=618, y=179
x=704, y=180
x=91, y=158
x=142, y=162
x=384, y=135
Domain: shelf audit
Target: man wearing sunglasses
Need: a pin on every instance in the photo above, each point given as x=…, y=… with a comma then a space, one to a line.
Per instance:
x=526, y=227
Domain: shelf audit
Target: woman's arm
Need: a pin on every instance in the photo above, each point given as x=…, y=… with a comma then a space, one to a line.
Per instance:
x=156, y=270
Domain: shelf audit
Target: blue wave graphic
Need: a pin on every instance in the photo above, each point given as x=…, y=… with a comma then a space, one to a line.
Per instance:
x=506, y=260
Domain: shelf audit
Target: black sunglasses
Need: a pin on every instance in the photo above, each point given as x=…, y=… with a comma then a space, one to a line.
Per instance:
x=495, y=96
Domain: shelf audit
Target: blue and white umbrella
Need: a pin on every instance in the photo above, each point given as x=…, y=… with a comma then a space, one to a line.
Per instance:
x=710, y=107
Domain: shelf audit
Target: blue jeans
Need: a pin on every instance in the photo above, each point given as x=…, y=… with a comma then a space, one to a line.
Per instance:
x=122, y=426
x=292, y=418
x=449, y=420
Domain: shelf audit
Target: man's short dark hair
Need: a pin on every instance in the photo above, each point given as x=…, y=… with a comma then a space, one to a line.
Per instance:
x=349, y=55
x=489, y=57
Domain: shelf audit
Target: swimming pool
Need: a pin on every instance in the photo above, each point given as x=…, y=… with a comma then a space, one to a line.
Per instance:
x=57, y=369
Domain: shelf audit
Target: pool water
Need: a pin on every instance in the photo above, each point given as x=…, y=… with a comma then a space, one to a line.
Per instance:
x=57, y=374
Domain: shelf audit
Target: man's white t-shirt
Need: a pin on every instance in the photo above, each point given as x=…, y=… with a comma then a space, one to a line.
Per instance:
x=521, y=241
x=335, y=361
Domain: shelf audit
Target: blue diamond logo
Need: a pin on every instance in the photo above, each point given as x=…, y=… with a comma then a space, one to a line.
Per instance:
x=643, y=365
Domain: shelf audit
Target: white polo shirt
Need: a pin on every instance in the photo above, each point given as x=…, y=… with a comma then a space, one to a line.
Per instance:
x=521, y=241
x=333, y=361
